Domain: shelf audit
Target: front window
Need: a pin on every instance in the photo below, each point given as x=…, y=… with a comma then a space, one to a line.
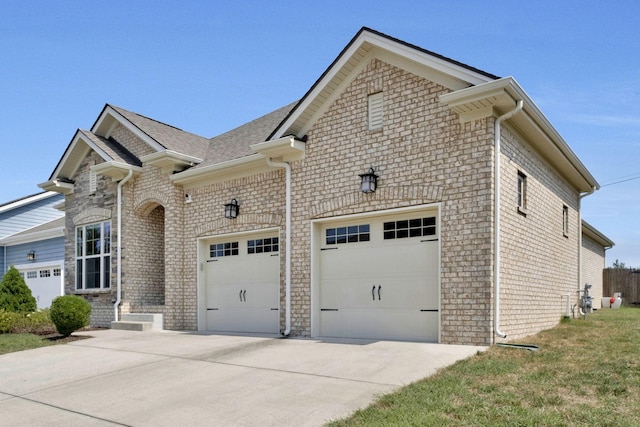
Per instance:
x=93, y=256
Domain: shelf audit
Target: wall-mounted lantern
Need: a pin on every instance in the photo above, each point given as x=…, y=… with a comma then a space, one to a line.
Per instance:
x=368, y=181
x=31, y=256
x=231, y=209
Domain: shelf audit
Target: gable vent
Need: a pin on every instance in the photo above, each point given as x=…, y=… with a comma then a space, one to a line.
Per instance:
x=93, y=181
x=375, y=111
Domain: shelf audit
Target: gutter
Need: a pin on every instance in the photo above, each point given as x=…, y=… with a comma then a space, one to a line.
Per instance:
x=287, y=168
x=119, y=245
x=496, y=224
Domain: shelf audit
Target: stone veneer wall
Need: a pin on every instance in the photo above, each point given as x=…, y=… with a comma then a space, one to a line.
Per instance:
x=83, y=207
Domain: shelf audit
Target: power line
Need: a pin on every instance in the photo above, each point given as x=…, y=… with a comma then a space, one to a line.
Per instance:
x=631, y=178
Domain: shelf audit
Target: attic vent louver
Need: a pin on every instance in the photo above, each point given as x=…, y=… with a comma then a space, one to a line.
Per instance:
x=375, y=111
x=93, y=182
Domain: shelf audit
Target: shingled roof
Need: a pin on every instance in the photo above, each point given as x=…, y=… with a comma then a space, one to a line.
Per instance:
x=236, y=142
x=112, y=148
x=170, y=137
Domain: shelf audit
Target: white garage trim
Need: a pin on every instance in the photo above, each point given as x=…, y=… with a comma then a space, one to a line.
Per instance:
x=317, y=242
x=205, y=263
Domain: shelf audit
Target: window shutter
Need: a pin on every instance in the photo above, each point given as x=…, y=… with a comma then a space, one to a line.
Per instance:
x=375, y=111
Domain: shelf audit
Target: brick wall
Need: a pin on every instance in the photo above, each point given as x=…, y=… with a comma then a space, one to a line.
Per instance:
x=593, y=263
x=423, y=155
x=539, y=264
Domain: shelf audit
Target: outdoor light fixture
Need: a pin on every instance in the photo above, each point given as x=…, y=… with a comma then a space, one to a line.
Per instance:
x=231, y=209
x=31, y=256
x=368, y=181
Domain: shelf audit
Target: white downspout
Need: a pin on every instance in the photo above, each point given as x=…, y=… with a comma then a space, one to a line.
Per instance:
x=119, y=246
x=583, y=195
x=287, y=296
x=496, y=225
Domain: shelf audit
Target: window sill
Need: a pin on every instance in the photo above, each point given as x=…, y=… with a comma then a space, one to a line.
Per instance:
x=565, y=235
x=522, y=211
x=91, y=291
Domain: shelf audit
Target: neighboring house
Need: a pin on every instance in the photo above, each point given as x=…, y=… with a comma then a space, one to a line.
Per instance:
x=594, y=245
x=366, y=209
x=32, y=240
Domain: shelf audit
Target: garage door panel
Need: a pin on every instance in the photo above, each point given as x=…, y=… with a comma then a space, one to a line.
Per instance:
x=242, y=287
x=232, y=319
x=352, y=293
x=388, y=324
x=385, y=287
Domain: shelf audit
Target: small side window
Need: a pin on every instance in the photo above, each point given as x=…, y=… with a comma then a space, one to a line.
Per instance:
x=565, y=220
x=521, y=197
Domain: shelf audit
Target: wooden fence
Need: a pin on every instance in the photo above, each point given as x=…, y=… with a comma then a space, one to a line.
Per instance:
x=623, y=280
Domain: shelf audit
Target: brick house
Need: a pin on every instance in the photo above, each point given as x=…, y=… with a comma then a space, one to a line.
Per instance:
x=314, y=249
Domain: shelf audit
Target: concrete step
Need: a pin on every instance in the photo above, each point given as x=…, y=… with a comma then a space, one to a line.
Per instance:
x=154, y=318
x=129, y=325
x=138, y=322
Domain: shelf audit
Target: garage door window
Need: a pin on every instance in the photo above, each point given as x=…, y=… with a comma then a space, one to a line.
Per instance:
x=350, y=234
x=45, y=273
x=223, y=249
x=259, y=246
x=417, y=227
x=32, y=274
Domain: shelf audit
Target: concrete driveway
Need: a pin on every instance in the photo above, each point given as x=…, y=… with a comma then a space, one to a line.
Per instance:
x=180, y=378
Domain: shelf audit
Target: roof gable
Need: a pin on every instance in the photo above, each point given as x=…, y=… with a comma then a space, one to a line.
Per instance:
x=361, y=50
x=159, y=136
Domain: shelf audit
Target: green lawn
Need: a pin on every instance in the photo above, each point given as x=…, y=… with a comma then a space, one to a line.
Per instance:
x=18, y=342
x=586, y=373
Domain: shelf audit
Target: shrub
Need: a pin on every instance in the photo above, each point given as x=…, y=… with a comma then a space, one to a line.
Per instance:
x=69, y=313
x=15, y=295
x=8, y=321
x=38, y=323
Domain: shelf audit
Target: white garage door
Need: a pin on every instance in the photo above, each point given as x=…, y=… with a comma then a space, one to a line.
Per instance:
x=379, y=278
x=242, y=284
x=45, y=284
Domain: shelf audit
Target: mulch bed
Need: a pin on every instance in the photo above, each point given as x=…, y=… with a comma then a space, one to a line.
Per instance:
x=71, y=338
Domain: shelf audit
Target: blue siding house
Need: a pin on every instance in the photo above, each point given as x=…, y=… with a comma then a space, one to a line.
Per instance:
x=32, y=240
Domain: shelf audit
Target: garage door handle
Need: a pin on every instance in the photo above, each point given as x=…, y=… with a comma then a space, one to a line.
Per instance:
x=373, y=292
x=379, y=287
x=243, y=295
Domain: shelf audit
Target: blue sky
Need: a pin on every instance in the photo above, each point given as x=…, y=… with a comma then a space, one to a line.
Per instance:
x=207, y=67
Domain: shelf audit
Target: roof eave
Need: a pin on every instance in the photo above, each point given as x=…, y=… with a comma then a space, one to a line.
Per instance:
x=115, y=170
x=594, y=234
x=287, y=149
x=223, y=171
x=497, y=97
x=170, y=161
x=27, y=237
x=57, y=186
